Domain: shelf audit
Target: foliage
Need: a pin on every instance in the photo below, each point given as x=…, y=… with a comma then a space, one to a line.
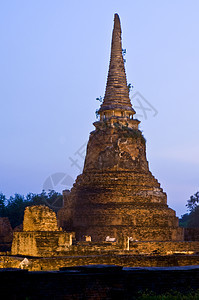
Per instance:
x=14, y=207
x=123, y=54
x=175, y=295
x=183, y=222
x=130, y=132
x=191, y=219
x=2, y=204
x=97, y=114
x=192, y=203
x=100, y=99
x=130, y=87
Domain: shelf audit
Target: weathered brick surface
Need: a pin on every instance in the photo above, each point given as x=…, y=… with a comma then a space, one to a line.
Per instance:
x=117, y=194
x=39, y=218
x=40, y=235
x=117, y=93
x=40, y=243
x=126, y=260
x=64, y=215
x=164, y=248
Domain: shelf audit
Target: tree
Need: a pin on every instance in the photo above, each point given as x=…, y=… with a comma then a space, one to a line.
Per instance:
x=14, y=207
x=193, y=202
x=2, y=205
x=183, y=221
x=191, y=219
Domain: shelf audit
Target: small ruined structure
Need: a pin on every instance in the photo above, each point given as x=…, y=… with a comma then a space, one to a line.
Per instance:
x=39, y=218
x=116, y=194
x=41, y=235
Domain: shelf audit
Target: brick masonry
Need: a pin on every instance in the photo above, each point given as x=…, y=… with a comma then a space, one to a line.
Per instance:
x=116, y=194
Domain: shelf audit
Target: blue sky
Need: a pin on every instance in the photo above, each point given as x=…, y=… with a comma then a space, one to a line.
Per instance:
x=54, y=58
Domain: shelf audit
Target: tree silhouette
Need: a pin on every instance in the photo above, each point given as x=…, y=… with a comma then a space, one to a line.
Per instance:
x=191, y=219
x=14, y=207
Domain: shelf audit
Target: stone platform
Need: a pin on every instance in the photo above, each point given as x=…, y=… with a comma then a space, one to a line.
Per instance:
x=40, y=243
x=124, y=260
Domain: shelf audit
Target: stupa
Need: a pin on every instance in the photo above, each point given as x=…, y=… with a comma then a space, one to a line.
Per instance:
x=117, y=195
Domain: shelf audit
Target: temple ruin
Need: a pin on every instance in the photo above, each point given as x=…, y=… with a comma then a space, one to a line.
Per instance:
x=116, y=212
x=116, y=194
x=41, y=235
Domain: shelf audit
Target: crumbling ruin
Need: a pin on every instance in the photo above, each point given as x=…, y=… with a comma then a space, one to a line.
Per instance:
x=116, y=206
x=41, y=235
x=116, y=194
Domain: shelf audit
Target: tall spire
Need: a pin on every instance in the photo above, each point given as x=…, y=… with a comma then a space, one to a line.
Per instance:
x=117, y=93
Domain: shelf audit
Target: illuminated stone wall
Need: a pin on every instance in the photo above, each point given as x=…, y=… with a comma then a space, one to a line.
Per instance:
x=40, y=243
x=39, y=218
x=40, y=236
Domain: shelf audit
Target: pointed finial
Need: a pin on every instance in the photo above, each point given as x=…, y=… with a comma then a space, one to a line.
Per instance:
x=117, y=92
x=117, y=22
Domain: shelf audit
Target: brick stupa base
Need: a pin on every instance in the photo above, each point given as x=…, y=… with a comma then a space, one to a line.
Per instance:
x=117, y=194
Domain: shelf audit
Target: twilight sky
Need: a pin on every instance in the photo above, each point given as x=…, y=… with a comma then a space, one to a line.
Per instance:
x=54, y=58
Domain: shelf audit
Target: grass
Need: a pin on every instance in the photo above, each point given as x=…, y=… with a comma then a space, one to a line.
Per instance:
x=191, y=295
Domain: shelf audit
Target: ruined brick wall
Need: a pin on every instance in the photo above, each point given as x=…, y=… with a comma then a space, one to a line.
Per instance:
x=164, y=248
x=24, y=243
x=40, y=243
x=113, y=148
x=39, y=218
x=126, y=260
x=133, y=248
x=64, y=215
x=40, y=235
x=101, y=282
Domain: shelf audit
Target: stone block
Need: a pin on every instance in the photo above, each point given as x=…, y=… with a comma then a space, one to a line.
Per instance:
x=39, y=218
x=40, y=243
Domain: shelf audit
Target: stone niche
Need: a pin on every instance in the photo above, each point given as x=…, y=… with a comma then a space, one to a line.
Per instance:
x=41, y=235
